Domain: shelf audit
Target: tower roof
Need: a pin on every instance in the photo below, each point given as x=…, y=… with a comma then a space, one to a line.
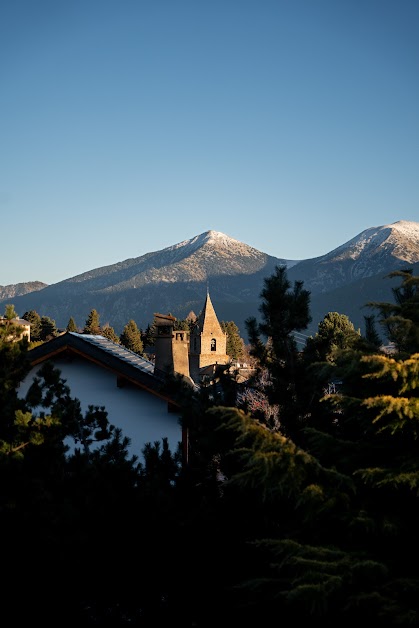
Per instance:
x=207, y=320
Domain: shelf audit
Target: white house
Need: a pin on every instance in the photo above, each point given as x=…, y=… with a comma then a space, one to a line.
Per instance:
x=102, y=373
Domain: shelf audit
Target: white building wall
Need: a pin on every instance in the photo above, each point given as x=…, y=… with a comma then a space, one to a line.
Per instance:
x=141, y=416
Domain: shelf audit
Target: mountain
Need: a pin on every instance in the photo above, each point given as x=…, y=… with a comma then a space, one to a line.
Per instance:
x=17, y=289
x=375, y=251
x=175, y=280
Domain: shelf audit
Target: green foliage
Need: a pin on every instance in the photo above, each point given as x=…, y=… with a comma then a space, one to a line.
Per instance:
x=371, y=335
x=35, y=320
x=92, y=324
x=314, y=521
x=400, y=320
x=235, y=344
x=284, y=309
x=109, y=333
x=182, y=325
x=149, y=335
x=71, y=325
x=10, y=312
x=335, y=334
x=131, y=337
x=48, y=328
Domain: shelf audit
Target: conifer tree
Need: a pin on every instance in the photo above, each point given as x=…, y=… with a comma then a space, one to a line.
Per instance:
x=335, y=333
x=235, y=344
x=10, y=312
x=284, y=309
x=71, y=325
x=400, y=320
x=109, y=332
x=131, y=337
x=92, y=324
x=35, y=320
x=48, y=328
x=148, y=337
x=371, y=335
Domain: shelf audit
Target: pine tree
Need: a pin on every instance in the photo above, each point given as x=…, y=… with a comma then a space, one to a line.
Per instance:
x=35, y=320
x=10, y=312
x=235, y=344
x=131, y=337
x=371, y=335
x=71, y=325
x=284, y=309
x=92, y=324
x=400, y=320
x=148, y=337
x=335, y=334
x=48, y=328
x=109, y=332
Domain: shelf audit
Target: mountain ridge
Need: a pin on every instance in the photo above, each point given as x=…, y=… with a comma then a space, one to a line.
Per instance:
x=175, y=279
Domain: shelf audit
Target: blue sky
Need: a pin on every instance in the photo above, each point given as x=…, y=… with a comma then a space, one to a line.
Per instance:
x=128, y=126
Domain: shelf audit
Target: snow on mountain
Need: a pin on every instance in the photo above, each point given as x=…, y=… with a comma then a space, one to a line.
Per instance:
x=175, y=279
x=215, y=240
x=375, y=251
x=400, y=238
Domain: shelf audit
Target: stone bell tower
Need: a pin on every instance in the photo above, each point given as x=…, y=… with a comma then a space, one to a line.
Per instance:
x=208, y=343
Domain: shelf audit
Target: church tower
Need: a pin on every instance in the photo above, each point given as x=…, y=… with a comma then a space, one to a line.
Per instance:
x=208, y=343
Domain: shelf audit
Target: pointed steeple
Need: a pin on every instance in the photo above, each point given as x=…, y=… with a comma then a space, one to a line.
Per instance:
x=207, y=320
x=208, y=343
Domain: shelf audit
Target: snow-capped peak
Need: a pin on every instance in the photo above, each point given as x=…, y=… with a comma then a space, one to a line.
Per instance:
x=215, y=239
x=375, y=237
x=407, y=228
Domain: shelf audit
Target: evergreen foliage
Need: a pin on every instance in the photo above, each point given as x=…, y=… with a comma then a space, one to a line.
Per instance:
x=110, y=333
x=92, y=324
x=149, y=335
x=35, y=320
x=71, y=325
x=235, y=344
x=131, y=338
x=400, y=320
x=284, y=310
x=335, y=333
x=309, y=515
x=48, y=328
x=182, y=324
x=10, y=312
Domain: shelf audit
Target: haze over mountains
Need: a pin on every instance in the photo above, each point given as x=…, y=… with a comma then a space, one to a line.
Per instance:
x=175, y=280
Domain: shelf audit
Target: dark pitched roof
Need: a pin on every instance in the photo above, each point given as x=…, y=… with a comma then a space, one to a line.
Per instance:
x=124, y=363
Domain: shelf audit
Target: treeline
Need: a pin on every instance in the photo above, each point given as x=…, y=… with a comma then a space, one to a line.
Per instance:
x=43, y=328
x=298, y=501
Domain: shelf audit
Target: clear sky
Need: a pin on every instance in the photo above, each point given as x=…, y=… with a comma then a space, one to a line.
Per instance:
x=127, y=126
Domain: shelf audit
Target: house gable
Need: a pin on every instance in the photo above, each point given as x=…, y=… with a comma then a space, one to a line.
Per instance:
x=100, y=372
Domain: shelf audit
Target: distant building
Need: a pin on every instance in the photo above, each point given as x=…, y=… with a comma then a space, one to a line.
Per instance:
x=132, y=389
x=194, y=354
x=25, y=326
x=100, y=372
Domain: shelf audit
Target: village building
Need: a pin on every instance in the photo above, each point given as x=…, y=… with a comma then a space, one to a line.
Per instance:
x=132, y=389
